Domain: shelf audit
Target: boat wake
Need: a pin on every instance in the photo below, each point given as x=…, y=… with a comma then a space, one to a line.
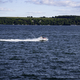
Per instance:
x=25, y=40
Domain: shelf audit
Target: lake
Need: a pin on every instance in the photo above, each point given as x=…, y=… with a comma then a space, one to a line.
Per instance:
x=56, y=59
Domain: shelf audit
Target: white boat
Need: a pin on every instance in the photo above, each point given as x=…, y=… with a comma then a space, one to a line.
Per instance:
x=43, y=39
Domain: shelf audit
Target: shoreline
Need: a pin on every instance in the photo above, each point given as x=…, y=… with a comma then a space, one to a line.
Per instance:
x=57, y=20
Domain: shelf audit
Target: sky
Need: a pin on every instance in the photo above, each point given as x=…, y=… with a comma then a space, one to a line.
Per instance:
x=39, y=8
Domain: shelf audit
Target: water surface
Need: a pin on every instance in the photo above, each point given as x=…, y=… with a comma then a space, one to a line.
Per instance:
x=58, y=58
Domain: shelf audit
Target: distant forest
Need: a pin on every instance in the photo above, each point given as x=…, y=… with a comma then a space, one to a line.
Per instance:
x=57, y=20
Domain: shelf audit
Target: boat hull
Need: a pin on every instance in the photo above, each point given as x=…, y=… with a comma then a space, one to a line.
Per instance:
x=43, y=39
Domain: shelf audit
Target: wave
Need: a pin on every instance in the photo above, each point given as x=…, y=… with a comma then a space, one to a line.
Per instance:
x=20, y=40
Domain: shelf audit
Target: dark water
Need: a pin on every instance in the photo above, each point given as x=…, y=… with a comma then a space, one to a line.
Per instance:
x=56, y=59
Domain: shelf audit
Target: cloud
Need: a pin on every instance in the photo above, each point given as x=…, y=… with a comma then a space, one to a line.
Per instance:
x=35, y=12
x=5, y=9
x=69, y=3
x=67, y=11
x=40, y=1
x=5, y=1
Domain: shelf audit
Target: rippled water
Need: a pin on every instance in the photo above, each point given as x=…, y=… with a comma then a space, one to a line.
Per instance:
x=58, y=58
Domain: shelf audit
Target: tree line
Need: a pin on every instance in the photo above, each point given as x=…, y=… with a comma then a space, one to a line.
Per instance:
x=57, y=20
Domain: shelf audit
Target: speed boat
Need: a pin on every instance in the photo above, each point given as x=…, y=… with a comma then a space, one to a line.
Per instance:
x=43, y=39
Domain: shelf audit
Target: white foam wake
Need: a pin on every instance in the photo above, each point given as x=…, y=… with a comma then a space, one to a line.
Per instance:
x=21, y=40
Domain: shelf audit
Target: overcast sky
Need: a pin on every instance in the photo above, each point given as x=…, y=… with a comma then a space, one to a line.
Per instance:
x=38, y=8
